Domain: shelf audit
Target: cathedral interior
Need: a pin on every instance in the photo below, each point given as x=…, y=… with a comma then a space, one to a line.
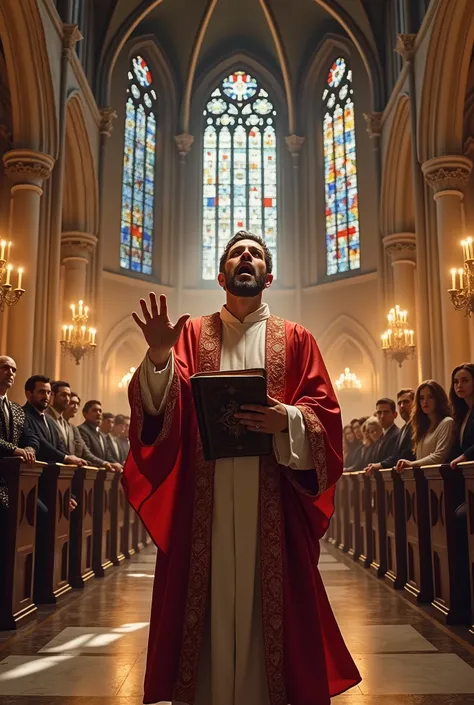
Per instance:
x=136, y=137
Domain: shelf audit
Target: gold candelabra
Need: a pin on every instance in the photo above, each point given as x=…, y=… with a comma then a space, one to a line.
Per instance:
x=8, y=295
x=77, y=340
x=124, y=382
x=462, y=296
x=348, y=380
x=398, y=340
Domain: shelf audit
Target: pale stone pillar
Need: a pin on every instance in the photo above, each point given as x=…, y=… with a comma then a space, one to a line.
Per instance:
x=294, y=144
x=447, y=175
x=27, y=169
x=76, y=250
x=401, y=249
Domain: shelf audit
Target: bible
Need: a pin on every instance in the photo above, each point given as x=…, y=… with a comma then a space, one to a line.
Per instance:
x=217, y=397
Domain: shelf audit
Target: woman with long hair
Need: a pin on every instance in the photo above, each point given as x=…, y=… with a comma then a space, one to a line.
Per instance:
x=432, y=427
x=372, y=431
x=461, y=396
x=350, y=446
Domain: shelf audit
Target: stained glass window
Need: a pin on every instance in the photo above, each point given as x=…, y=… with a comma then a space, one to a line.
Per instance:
x=138, y=184
x=340, y=171
x=239, y=168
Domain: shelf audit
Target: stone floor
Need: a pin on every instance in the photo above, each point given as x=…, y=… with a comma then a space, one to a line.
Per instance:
x=91, y=649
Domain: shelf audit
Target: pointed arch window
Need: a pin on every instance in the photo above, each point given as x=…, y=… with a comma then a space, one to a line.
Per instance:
x=138, y=182
x=239, y=167
x=340, y=171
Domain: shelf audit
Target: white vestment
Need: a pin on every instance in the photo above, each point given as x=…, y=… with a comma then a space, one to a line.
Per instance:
x=232, y=666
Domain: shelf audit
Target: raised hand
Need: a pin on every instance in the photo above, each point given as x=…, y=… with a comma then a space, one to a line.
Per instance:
x=160, y=334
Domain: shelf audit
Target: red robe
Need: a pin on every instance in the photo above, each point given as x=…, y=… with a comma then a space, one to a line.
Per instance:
x=170, y=485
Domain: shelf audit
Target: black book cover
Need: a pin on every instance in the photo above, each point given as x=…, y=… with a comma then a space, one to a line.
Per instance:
x=217, y=397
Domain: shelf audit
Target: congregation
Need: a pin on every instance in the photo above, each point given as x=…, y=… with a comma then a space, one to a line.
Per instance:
x=438, y=428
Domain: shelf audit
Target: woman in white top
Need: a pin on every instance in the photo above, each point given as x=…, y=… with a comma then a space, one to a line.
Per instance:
x=432, y=427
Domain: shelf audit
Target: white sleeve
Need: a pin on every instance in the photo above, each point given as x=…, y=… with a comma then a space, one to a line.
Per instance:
x=444, y=441
x=155, y=385
x=293, y=448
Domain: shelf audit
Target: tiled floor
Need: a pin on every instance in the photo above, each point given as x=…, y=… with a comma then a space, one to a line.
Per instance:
x=91, y=649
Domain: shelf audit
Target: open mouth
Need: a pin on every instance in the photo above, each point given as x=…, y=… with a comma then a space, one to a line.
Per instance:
x=245, y=268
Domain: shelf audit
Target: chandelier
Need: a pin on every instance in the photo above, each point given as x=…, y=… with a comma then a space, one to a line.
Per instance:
x=77, y=340
x=462, y=281
x=124, y=382
x=9, y=296
x=348, y=380
x=398, y=340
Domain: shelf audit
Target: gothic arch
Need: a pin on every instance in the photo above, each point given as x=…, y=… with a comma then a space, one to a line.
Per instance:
x=440, y=126
x=31, y=84
x=80, y=204
x=124, y=330
x=397, y=206
x=344, y=328
x=312, y=83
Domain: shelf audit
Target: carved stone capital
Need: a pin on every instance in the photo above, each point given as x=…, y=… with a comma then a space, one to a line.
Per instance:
x=448, y=173
x=294, y=144
x=401, y=247
x=23, y=166
x=184, y=142
x=107, y=117
x=374, y=124
x=77, y=245
x=406, y=46
x=71, y=35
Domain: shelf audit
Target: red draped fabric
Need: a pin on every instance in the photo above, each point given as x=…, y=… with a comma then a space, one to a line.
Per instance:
x=170, y=485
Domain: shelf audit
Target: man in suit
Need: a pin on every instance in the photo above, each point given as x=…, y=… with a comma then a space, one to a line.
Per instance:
x=386, y=412
x=123, y=439
x=90, y=431
x=52, y=448
x=61, y=404
x=114, y=437
x=404, y=447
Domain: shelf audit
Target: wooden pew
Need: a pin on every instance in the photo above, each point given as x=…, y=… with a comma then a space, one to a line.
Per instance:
x=379, y=528
x=395, y=528
x=102, y=534
x=449, y=547
x=17, y=550
x=365, y=519
x=468, y=473
x=82, y=527
x=117, y=520
x=128, y=528
x=354, y=516
x=146, y=538
x=336, y=520
x=419, y=572
x=345, y=528
x=51, y=576
x=137, y=541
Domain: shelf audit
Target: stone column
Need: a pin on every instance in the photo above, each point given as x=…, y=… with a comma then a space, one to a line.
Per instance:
x=447, y=175
x=294, y=144
x=75, y=254
x=401, y=249
x=28, y=170
x=184, y=142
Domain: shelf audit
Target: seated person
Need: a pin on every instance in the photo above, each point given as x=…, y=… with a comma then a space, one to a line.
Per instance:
x=404, y=447
x=386, y=413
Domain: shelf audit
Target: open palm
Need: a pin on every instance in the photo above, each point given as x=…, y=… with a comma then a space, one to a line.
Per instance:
x=160, y=334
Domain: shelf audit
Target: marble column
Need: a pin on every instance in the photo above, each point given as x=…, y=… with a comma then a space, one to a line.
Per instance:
x=76, y=249
x=294, y=144
x=28, y=170
x=447, y=175
x=401, y=250
x=184, y=142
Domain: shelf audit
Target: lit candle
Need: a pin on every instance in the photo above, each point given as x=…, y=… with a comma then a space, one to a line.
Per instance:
x=9, y=271
x=412, y=341
x=461, y=279
x=80, y=308
x=20, y=275
x=464, y=250
x=86, y=311
x=93, y=331
x=69, y=333
x=3, y=245
x=453, y=279
x=470, y=248
x=64, y=332
x=83, y=332
x=73, y=309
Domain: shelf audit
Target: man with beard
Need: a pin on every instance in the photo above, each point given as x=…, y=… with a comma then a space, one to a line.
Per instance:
x=239, y=612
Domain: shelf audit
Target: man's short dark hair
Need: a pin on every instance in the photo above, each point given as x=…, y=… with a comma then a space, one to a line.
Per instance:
x=30, y=383
x=409, y=391
x=390, y=402
x=354, y=421
x=246, y=235
x=119, y=419
x=89, y=404
x=57, y=384
x=108, y=415
x=73, y=394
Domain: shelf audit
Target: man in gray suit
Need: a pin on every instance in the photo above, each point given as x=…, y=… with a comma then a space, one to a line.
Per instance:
x=64, y=406
x=95, y=440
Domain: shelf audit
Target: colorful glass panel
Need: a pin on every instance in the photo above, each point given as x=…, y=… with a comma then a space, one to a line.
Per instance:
x=239, y=168
x=340, y=172
x=138, y=180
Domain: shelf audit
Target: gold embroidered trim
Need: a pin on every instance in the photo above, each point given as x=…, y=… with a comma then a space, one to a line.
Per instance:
x=275, y=363
x=318, y=448
x=137, y=406
x=200, y=560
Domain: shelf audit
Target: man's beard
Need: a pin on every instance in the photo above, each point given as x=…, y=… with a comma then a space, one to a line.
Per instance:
x=247, y=287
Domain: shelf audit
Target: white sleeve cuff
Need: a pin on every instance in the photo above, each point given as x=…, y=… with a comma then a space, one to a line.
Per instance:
x=155, y=385
x=293, y=448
